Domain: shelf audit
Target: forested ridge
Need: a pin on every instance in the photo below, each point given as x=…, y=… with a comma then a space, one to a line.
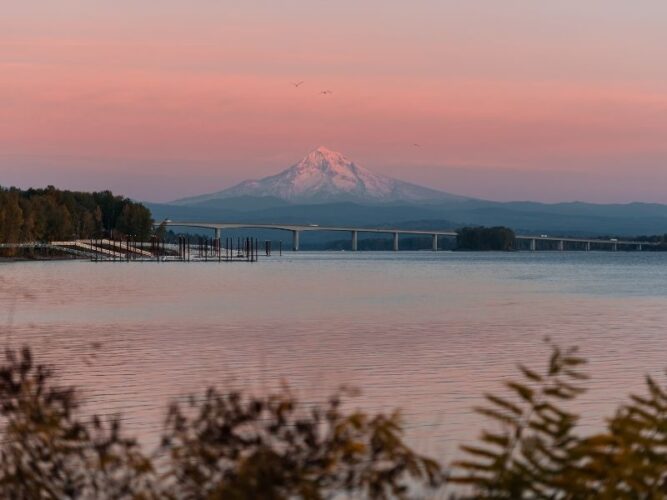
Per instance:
x=52, y=214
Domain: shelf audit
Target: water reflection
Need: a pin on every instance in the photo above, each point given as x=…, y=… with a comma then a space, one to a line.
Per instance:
x=427, y=332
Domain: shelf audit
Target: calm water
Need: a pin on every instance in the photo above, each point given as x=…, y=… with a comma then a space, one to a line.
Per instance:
x=426, y=332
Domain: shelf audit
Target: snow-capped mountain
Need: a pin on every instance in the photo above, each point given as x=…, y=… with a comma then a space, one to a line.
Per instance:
x=326, y=176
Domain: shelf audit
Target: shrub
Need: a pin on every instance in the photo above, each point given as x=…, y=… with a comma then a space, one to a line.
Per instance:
x=230, y=445
x=226, y=445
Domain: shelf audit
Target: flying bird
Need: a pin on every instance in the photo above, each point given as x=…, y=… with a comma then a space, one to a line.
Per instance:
x=325, y=92
x=416, y=145
x=297, y=84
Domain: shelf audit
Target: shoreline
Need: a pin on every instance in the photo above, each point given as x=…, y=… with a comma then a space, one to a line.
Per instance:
x=38, y=259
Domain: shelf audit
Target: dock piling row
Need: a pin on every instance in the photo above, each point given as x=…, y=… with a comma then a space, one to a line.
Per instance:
x=130, y=249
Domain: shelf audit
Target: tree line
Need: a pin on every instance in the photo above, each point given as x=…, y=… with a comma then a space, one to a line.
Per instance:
x=660, y=239
x=52, y=214
x=485, y=238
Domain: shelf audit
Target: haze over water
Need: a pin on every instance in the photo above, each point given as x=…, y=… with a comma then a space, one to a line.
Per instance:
x=426, y=332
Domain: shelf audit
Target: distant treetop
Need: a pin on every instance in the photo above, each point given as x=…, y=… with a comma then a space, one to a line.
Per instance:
x=52, y=214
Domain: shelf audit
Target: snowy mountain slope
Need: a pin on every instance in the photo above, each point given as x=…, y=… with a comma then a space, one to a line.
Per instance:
x=326, y=176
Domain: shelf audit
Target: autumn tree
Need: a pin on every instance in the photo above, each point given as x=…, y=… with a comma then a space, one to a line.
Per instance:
x=51, y=214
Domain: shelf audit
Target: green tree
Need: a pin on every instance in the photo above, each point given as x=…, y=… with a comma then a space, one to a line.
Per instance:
x=135, y=220
x=11, y=217
x=51, y=214
x=485, y=238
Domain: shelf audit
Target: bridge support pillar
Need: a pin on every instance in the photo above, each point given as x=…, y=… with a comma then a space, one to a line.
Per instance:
x=395, y=242
x=639, y=247
x=354, y=240
x=614, y=247
x=561, y=245
x=217, y=233
x=588, y=246
x=295, y=241
x=435, y=242
x=533, y=245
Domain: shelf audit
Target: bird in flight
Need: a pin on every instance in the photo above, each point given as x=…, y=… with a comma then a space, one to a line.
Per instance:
x=297, y=84
x=416, y=145
x=325, y=92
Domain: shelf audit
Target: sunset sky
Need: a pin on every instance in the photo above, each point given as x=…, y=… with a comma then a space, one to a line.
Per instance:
x=553, y=101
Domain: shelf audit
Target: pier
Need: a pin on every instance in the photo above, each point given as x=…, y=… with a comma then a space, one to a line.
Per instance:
x=196, y=249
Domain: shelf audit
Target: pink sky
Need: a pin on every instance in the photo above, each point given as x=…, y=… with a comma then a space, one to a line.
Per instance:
x=508, y=99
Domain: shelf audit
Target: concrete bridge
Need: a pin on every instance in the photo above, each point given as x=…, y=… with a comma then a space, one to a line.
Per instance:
x=534, y=242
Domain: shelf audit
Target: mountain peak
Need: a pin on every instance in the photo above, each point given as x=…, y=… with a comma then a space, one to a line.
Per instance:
x=323, y=157
x=327, y=154
x=324, y=175
x=325, y=151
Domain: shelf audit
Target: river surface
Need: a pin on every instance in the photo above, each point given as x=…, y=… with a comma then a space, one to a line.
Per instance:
x=426, y=332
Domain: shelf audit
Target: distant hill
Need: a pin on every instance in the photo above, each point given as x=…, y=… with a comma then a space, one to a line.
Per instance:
x=576, y=219
x=325, y=176
x=327, y=188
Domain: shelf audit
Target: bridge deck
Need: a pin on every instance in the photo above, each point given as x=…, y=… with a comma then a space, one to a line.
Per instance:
x=392, y=230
